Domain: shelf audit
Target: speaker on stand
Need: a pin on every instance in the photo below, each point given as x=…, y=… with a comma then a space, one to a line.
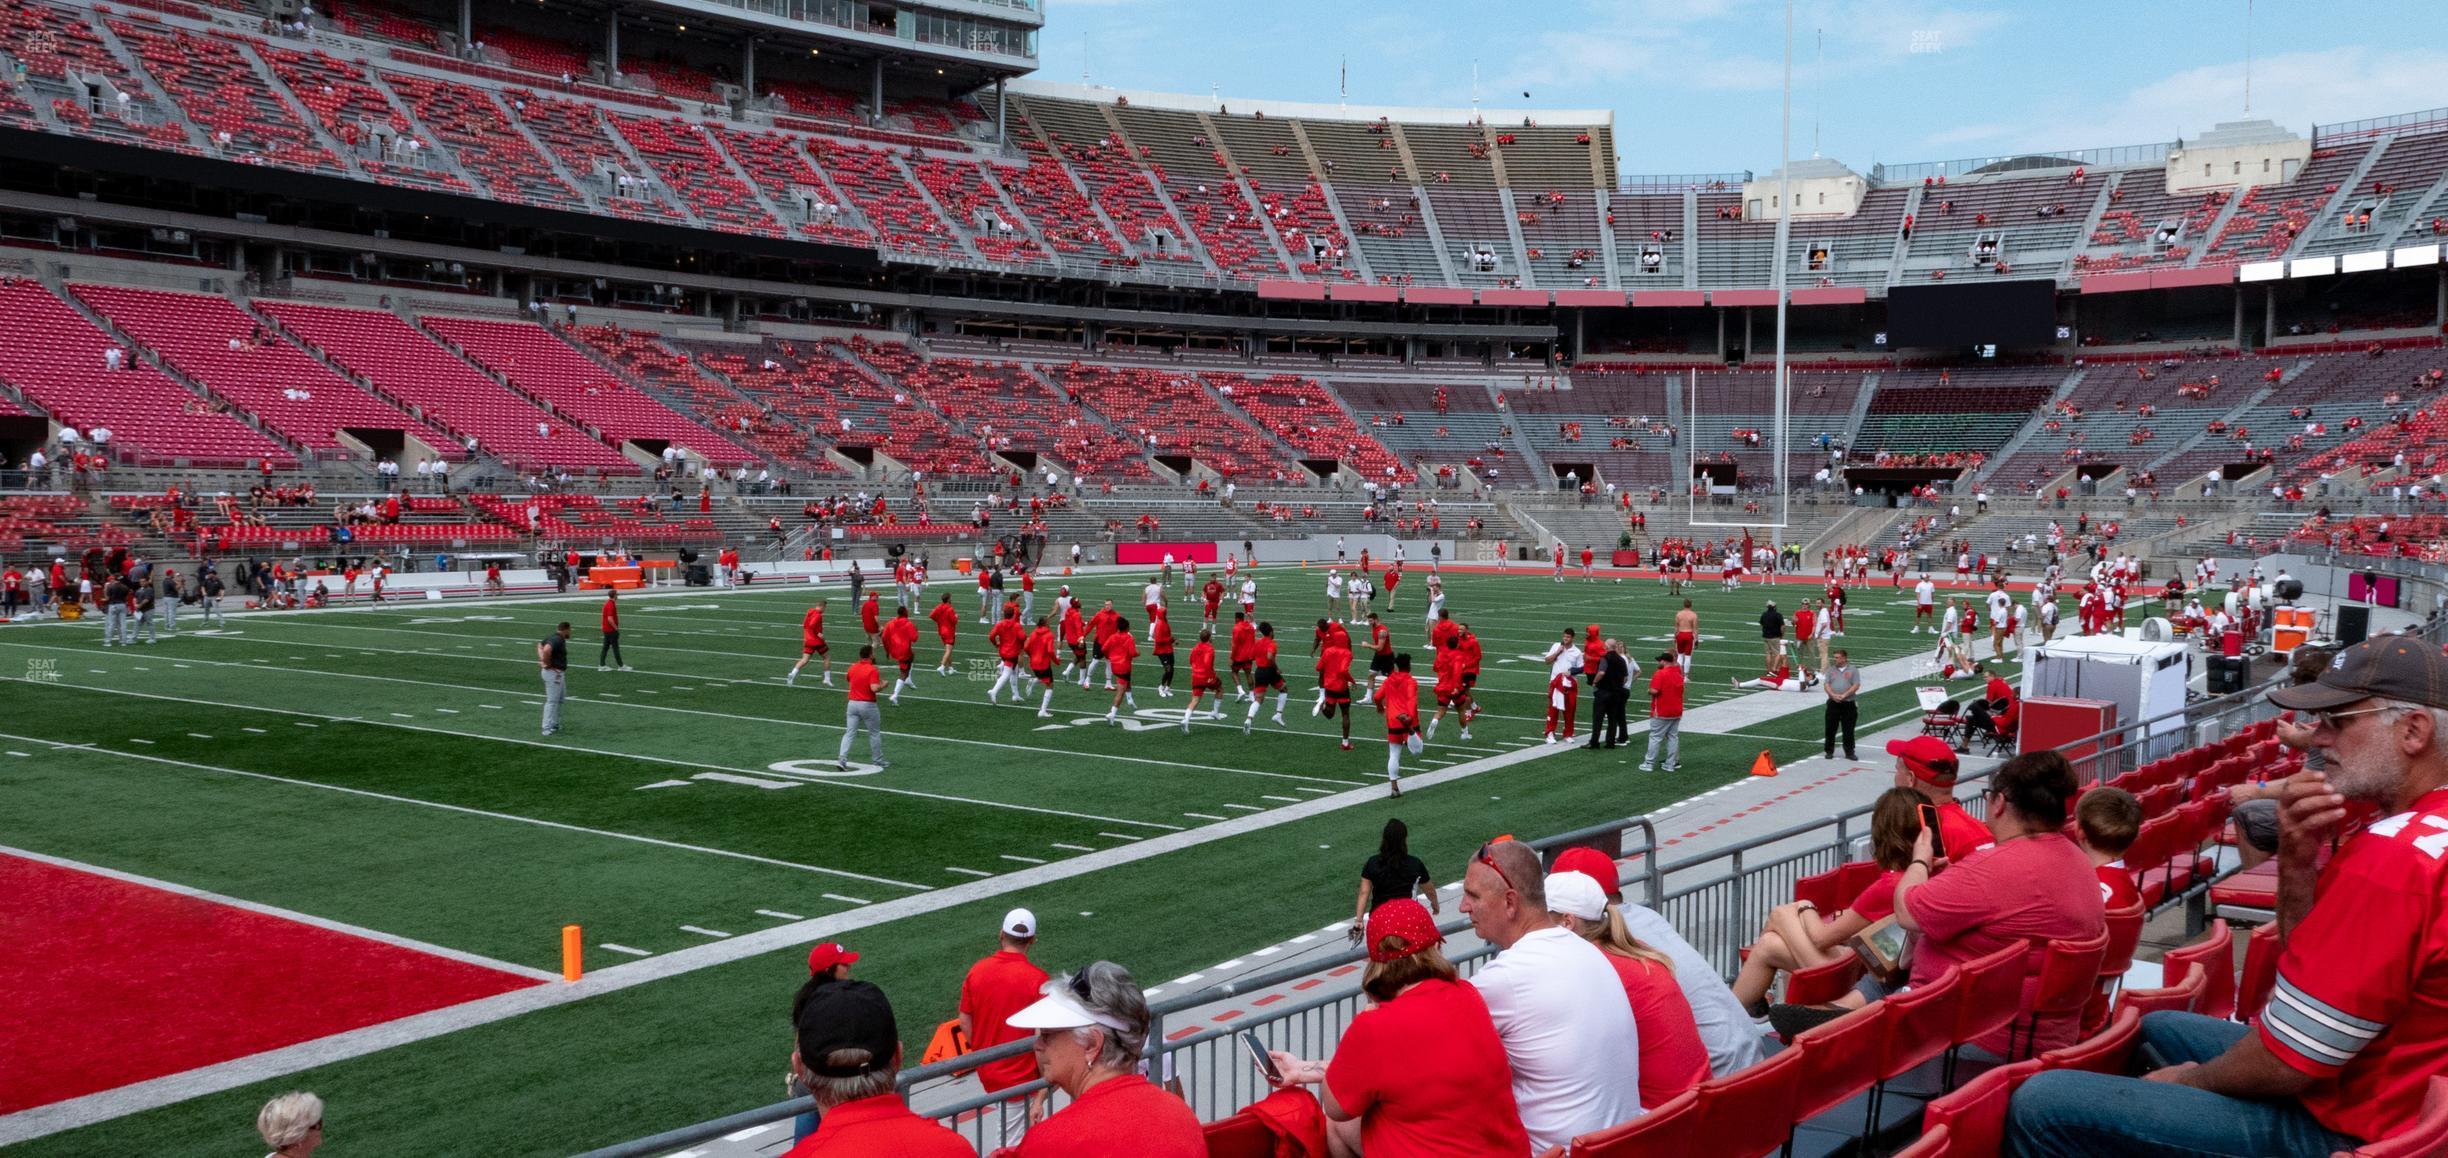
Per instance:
x=2353, y=624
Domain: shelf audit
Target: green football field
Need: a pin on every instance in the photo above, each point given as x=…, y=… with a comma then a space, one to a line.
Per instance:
x=383, y=768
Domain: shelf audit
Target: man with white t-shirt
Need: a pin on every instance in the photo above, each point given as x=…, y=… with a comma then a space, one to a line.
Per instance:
x=2001, y=620
x=1558, y=1005
x=1925, y=603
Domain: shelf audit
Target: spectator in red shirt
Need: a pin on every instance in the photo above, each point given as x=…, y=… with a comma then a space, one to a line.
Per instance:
x=1798, y=936
x=1422, y=1073
x=2110, y=818
x=1926, y=765
x=1672, y=1059
x=2358, y=1022
x=1091, y=1032
x=999, y=985
x=2033, y=886
x=1665, y=714
x=611, y=653
x=849, y=1057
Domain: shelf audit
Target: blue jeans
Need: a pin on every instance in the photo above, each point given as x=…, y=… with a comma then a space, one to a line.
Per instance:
x=2071, y=1114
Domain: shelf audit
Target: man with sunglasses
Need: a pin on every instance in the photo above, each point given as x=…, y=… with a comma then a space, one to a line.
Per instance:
x=1558, y=1005
x=2357, y=1023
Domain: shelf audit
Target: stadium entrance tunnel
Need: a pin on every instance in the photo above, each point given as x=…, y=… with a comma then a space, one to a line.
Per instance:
x=1895, y=482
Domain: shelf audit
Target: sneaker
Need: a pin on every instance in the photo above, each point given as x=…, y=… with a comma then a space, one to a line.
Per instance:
x=790, y=679
x=601, y=667
x=1347, y=745
x=893, y=699
x=882, y=764
x=1246, y=723
x=1549, y=739
x=1466, y=734
x=1395, y=787
x=1646, y=767
x=1044, y=714
x=1110, y=720
x=841, y=765
x=550, y=731
x=1279, y=720
x=626, y=667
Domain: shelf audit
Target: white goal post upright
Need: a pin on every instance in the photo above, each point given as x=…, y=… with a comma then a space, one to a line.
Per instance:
x=1780, y=424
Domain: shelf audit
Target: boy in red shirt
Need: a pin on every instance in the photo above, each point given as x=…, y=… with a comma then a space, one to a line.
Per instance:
x=945, y=618
x=1160, y=644
x=1040, y=651
x=1075, y=637
x=1451, y=689
x=1334, y=685
x=868, y=613
x=1203, y=681
x=812, y=642
x=1213, y=595
x=1006, y=636
x=2110, y=818
x=1266, y=677
x=900, y=636
x=611, y=635
x=1244, y=650
x=1120, y=648
x=1100, y=628
x=1393, y=579
x=1398, y=698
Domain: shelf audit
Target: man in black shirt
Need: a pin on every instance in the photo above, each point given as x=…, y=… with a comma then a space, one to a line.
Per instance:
x=552, y=655
x=1614, y=674
x=208, y=590
x=1772, y=636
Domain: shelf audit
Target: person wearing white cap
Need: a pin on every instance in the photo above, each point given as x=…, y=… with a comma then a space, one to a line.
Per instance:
x=998, y=986
x=1091, y=1031
x=1672, y=1059
x=1566, y=1023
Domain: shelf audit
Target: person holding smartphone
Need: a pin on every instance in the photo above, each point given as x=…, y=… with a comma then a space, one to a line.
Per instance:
x=1798, y=936
x=1421, y=1072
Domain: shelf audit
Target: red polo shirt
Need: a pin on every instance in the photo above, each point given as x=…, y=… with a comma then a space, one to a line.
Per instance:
x=1122, y=1117
x=1666, y=692
x=882, y=1124
x=996, y=988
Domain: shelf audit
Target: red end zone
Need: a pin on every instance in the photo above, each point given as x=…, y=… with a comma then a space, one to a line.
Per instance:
x=104, y=982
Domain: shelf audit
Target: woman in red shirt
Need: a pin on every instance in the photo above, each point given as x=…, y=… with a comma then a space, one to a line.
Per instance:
x=1091, y=1030
x=1421, y=1074
x=1672, y=1059
x=1798, y=936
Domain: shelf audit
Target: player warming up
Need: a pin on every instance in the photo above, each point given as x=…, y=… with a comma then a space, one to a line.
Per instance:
x=1008, y=638
x=1040, y=652
x=1686, y=637
x=1335, y=683
x=1399, y=700
x=900, y=641
x=1121, y=647
x=947, y=622
x=1160, y=644
x=1268, y=677
x=1203, y=681
x=812, y=642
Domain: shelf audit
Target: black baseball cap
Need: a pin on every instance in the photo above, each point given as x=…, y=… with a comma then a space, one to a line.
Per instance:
x=2396, y=667
x=847, y=1015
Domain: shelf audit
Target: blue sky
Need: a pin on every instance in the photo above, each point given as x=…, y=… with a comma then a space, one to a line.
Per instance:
x=1694, y=83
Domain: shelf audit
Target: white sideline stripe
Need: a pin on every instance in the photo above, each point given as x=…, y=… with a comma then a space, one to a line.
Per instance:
x=780, y=916
x=538, y=743
x=844, y=900
x=1244, y=807
x=1285, y=799
x=703, y=932
x=1202, y=816
x=609, y=946
x=464, y=810
x=425, y=947
x=970, y=872
x=1120, y=836
x=1024, y=859
x=41, y=1121
x=1071, y=847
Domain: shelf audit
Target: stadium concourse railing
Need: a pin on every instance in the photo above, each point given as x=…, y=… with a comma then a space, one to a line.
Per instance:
x=1716, y=899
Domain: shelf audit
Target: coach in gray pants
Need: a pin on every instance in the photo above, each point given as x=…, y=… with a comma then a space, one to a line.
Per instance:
x=552, y=655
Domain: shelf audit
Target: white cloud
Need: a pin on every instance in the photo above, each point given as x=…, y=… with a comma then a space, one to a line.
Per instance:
x=2297, y=90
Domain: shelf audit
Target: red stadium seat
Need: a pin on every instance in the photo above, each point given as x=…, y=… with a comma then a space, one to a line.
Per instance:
x=2069, y=974
x=1243, y=1135
x=1824, y=890
x=1992, y=1000
x=1750, y=1112
x=2104, y=1052
x=1825, y=983
x=1925, y=1017
x=1666, y=1131
x=1839, y=1059
x=2184, y=996
x=2214, y=955
x=1976, y=1114
x=1933, y=1143
x=2260, y=972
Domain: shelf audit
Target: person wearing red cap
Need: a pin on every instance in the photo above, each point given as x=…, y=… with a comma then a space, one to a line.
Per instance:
x=1422, y=1073
x=1926, y=765
x=849, y=1057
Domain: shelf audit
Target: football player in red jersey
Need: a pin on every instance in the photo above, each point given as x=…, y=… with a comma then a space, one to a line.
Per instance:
x=946, y=620
x=1007, y=636
x=1265, y=677
x=1203, y=681
x=812, y=642
x=1040, y=652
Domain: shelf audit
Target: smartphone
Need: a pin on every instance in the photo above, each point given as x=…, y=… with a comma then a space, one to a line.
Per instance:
x=1258, y=1054
x=1929, y=816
